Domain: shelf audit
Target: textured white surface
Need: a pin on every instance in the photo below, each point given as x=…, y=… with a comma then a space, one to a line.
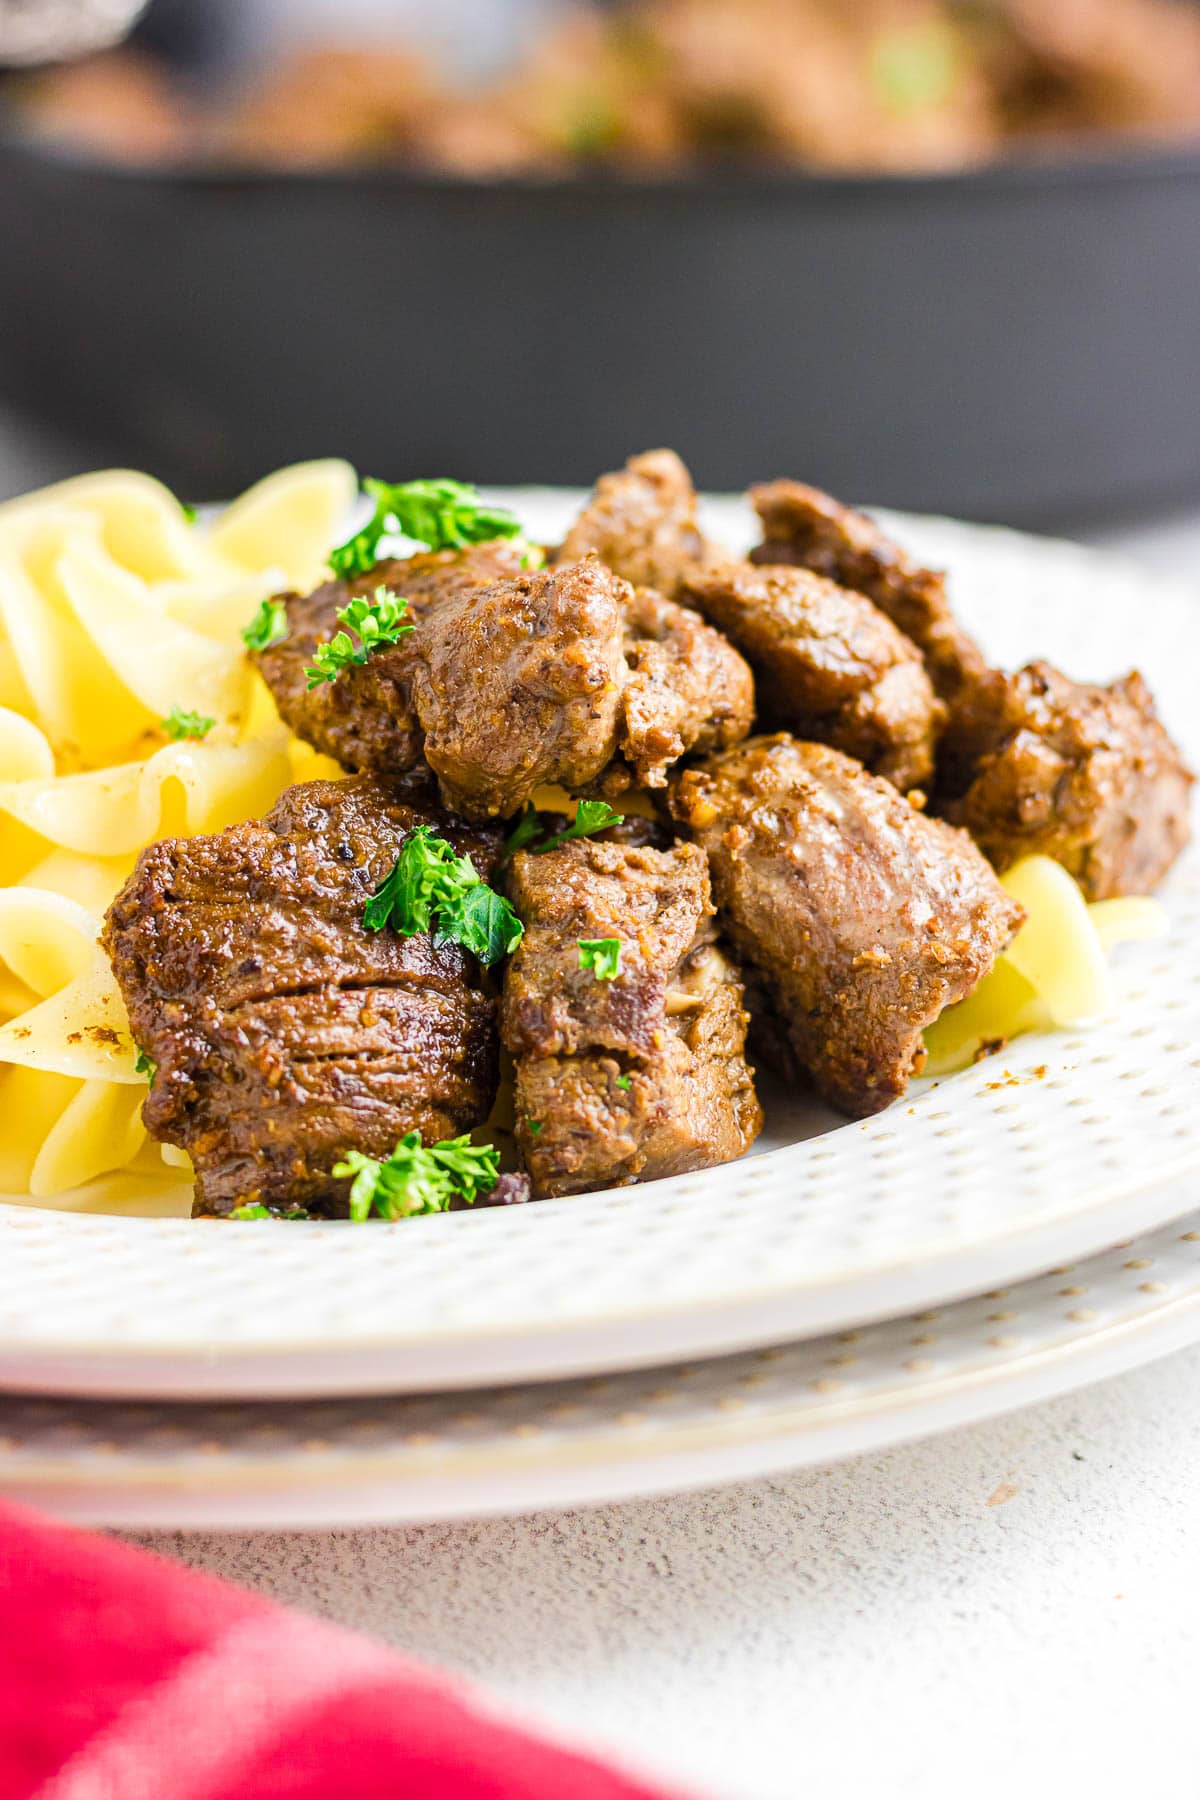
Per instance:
x=1006, y=1613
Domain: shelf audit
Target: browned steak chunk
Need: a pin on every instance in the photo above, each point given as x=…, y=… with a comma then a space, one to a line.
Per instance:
x=805, y=527
x=283, y=1031
x=1034, y=763
x=827, y=665
x=640, y=1076
x=687, y=688
x=641, y=521
x=862, y=917
x=366, y=719
x=519, y=683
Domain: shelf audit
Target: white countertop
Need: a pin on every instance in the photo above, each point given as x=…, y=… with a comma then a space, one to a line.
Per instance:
x=1010, y=1610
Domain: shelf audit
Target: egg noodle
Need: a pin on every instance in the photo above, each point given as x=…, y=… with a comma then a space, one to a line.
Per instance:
x=116, y=609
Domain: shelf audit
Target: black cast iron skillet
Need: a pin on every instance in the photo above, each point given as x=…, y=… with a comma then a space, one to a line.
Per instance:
x=1019, y=341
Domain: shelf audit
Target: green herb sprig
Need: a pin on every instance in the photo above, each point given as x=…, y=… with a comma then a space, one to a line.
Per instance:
x=268, y=626
x=254, y=1209
x=418, y=1178
x=431, y=887
x=145, y=1065
x=590, y=816
x=378, y=622
x=180, y=724
x=602, y=956
x=440, y=514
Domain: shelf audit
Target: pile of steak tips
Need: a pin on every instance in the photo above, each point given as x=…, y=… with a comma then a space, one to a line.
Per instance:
x=839, y=868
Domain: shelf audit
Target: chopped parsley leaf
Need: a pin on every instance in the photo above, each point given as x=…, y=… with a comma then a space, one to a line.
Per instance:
x=145, y=1065
x=378, y=622
x=624, y=1083
x=180, y=724
x=602, y=956
x=254, y=1209
x=527, y=827
x=417, y=1178
x=268, y=626
x=590, y=815
x=431, y=887
x=439, y=514
x=534, y=1125
x=189, y=511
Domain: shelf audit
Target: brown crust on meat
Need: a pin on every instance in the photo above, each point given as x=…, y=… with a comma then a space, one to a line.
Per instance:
x=641, y=521
x=862, y=917
x=284, y=1032
x=828, y=665
x=811, y=530
x=671, y=1027
x=1037, y=764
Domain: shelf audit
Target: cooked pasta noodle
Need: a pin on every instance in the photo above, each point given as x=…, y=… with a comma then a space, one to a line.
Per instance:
x=1054, y=973
x=115, y=608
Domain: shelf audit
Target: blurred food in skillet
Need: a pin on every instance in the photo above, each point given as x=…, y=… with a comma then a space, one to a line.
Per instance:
x=665, y=84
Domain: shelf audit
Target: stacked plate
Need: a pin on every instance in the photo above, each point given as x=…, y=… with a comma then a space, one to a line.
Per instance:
x=996, y=1237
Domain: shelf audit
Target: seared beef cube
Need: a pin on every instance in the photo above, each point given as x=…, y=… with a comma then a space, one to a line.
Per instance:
x=366, y=719
x=641, y=521
x=1036, y=764
x=284, y=1033
x=642, y=1075
x=813, y=531
x=687, y=688
x=827, y=665
x=862, y=917
x=519, y=683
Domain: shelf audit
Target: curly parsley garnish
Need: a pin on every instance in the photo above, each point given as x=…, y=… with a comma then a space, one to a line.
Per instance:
x=590, y=816
x=180, y=724
x=145, y=1065
x=431, y=887
x=268, y=626
x=378, y=622
x=418, y=1178
x=602, y=956
x=439, y=514
x=254, y=1209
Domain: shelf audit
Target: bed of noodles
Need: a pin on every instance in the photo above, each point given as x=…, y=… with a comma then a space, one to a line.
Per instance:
x=115, y=607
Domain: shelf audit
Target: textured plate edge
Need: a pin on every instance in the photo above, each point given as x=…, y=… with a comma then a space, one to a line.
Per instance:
x=274, y=1372
x=689, y=1458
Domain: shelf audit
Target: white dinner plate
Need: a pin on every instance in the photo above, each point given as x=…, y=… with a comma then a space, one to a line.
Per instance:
x=1052, y=1150
x=328, y=1463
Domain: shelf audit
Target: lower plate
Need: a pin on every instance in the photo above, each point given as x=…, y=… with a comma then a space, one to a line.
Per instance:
x=342, y=1462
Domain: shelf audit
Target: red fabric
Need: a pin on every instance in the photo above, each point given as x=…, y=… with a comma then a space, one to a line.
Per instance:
x=126, y=1677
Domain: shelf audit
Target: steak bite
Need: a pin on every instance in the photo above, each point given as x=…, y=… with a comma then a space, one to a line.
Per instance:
x=861, y=918
x=813, y=531
x=283, y=1032
x=1036, y=764
x=687, y=688
x=636, y=1077
x=366, y=719
x=827, y=665
x=641, y=521
x=519, y=683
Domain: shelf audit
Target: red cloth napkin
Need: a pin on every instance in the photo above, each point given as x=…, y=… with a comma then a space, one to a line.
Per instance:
x=126, y=1677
